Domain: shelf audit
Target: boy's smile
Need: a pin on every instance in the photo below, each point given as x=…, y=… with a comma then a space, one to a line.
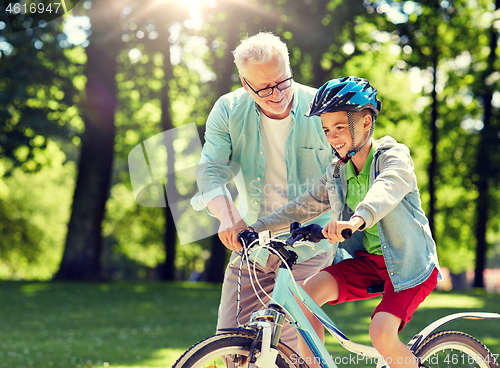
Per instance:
x=338, y=135
x=336, y=128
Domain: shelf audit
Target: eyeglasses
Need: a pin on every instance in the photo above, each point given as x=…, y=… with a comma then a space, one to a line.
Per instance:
x=268, y=91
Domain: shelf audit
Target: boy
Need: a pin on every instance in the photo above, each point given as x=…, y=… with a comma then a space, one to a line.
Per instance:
x=372, y=188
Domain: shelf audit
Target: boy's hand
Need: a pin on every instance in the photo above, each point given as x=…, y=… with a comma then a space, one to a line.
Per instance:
x=333, y=230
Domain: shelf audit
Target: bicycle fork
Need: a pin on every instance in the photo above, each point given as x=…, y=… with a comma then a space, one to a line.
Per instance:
x=268, y=323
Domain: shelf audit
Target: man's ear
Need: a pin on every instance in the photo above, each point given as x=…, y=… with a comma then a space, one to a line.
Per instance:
x=243, y=83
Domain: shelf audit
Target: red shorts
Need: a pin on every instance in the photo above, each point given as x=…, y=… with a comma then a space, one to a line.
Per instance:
x=355, y=275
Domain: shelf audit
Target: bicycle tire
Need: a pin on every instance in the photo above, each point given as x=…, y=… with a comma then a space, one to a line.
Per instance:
x=454, y=349
x=213, y=351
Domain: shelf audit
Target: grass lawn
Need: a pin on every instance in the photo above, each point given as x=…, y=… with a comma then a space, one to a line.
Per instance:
x=151, y=324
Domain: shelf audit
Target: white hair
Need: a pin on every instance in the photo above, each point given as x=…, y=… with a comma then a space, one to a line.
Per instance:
x=260, y=48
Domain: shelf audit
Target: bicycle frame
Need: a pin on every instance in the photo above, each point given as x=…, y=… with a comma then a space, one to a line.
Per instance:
x=283, y=295
x=269, y=321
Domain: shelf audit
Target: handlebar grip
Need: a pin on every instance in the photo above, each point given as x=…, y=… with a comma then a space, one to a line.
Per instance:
x=346, y=233
x=247, y=237
x=315, y=233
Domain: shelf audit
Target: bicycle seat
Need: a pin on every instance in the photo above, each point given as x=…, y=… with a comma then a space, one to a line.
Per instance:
x=376, y=289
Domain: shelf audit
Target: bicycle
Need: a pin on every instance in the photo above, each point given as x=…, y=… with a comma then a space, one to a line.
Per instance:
x=257, y=344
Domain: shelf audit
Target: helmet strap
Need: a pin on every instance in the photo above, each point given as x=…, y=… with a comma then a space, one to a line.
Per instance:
x=352, y=151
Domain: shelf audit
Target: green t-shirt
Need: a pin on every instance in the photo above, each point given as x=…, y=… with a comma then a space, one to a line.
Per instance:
x=358, y=186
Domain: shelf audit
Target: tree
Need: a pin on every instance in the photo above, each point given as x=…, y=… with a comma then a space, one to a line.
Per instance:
x=81, y=257
x=488, y=159
x=150, y=82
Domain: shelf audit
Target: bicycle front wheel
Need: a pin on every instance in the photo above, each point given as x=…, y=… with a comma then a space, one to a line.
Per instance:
x=454, y=349
x=231, y=350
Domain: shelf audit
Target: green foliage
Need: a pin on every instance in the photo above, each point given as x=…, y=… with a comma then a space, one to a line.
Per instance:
x=494, y=252
x=137, y=233
x=37, y=93
x=34, y=210
x=137, y=230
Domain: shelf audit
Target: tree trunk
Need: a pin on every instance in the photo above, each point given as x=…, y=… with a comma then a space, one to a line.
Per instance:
x=216, y=264
x=488, y=142
x=82, y=253
x=167, y=269
x=432, y=170
x=482, y=219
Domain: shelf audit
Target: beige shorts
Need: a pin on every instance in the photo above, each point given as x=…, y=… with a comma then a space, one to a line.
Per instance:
x=266, y=276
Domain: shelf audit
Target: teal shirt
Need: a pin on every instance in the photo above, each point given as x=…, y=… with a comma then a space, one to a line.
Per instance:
x=234, y=150
x=358, y=186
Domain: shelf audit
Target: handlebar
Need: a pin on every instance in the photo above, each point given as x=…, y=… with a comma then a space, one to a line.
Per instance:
x=314, y=232
x=311, y=233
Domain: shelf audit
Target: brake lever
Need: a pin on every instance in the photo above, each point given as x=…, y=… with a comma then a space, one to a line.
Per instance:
x=247, y=240
x=295, y=238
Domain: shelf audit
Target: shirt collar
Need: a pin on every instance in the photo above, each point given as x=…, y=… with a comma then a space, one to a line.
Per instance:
x=350, y=172
x=295, y=101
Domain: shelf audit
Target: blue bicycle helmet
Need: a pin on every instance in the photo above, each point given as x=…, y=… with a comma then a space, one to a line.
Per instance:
x=349, y=94
x=345, y=94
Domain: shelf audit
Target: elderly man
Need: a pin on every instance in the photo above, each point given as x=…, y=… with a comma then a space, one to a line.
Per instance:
x=261, y=127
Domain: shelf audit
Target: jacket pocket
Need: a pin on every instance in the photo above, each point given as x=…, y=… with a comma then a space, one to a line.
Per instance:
x=333, y=197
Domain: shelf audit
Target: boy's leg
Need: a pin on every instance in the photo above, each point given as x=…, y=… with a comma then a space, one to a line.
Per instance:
x=343, y=281
x=390, y=317
x=384, y=336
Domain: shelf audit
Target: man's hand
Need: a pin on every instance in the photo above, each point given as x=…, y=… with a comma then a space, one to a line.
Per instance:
x=333, y=230
x=229, y=235
x=231, y=223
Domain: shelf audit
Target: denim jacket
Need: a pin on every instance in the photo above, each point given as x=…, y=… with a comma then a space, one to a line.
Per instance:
x=392, y=202
x=234, y=149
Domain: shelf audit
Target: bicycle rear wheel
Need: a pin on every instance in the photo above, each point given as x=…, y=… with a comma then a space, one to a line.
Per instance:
x=454, y=349
x=231, y=350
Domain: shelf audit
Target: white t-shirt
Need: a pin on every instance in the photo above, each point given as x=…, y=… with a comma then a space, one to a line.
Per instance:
x=275, y=189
